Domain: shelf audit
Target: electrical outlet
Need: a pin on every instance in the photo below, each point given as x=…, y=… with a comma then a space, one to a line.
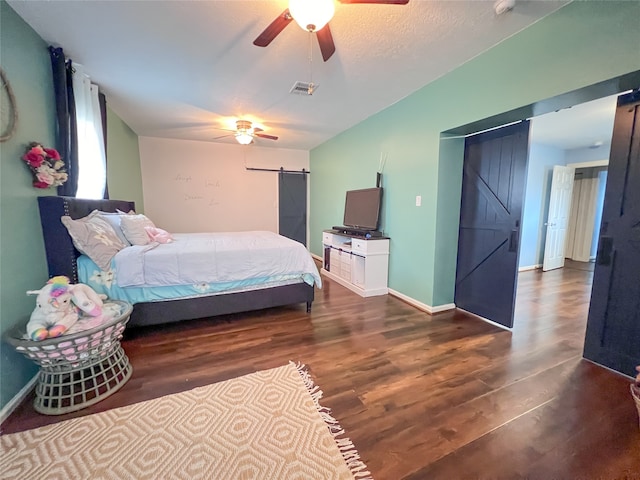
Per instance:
x=418, y=200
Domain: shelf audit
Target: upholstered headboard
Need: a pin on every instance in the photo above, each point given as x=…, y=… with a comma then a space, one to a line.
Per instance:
x=61, y=254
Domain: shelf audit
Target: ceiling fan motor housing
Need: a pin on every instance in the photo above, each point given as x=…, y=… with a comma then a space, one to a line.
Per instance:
x=243, y=125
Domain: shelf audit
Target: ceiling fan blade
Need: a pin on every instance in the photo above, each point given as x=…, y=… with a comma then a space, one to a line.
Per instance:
x=223, y=136
x=383, y=2
x=272, y=31
x=264, y=135
x=325, y=40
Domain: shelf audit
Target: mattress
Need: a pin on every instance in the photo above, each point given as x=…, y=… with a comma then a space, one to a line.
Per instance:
x=105, y=283
x=201, y=264
x=195, y=258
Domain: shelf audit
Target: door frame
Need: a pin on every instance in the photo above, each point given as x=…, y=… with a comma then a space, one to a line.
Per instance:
x=575, y=165
x=591, y=164
x=452, y=154
x=584, y=211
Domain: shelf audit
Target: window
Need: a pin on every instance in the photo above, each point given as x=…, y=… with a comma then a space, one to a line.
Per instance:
x=92, y=168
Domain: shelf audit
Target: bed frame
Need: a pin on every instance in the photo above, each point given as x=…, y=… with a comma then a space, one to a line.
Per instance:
x=62, y=255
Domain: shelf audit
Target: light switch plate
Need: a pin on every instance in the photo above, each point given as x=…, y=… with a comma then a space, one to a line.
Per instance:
x=418, y=200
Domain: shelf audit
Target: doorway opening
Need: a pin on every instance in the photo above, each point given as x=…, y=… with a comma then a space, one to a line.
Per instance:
x=516, y=202
x=611, y=321
x=555, y=226
x=577, y=139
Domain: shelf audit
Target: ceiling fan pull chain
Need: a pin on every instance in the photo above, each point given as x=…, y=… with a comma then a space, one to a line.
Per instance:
x=310, y=63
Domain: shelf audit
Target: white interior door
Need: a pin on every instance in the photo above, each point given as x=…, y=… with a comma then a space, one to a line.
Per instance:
x=558, y=219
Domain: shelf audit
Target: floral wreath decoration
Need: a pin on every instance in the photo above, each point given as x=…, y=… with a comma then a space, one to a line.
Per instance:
x=46, y=166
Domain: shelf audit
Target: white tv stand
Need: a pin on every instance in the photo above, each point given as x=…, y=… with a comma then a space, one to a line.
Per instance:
x=361, y=264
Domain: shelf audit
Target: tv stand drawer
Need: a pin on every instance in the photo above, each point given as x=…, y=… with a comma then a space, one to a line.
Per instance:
x=371, y=246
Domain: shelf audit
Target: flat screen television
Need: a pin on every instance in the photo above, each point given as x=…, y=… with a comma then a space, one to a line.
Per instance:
x=362, y=208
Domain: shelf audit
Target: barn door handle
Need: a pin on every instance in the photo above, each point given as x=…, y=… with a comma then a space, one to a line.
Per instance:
x=513, y=241
x=605, y=247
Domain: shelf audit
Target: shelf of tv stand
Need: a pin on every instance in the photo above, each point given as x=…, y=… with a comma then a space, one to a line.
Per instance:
x=358, y=263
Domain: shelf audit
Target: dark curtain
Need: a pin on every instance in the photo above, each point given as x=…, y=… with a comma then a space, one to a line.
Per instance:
x=67, y=136
x=103, y=116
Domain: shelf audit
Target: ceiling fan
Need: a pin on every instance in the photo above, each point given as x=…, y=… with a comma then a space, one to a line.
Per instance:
x=245, y=133
x=312, y=16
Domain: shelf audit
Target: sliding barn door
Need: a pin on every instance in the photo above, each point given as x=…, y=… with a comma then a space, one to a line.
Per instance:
x=493, y=184
x=613, y=327
x=292, y=206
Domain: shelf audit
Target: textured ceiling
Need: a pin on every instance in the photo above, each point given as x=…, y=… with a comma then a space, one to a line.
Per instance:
x=186, y=69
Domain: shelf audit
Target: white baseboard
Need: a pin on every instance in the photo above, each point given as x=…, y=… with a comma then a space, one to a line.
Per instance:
x=486, y=320
x=411, y=301
x=529, y=267
x=422, y=306
x=610, y=369
x=15, y=401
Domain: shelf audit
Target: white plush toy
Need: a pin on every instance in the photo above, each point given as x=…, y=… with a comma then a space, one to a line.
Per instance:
x=86, y=299
x=57, y=307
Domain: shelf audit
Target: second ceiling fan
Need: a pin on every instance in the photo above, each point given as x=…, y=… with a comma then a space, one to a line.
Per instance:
x=313, y=16
x=245, y=132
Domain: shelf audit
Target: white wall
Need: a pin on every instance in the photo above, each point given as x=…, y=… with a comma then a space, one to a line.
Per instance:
x=542, y=158
x=192, y=186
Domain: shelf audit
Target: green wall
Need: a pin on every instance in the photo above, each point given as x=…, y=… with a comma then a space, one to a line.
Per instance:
x=25, y=60
x=581, y=44
x=124, y=176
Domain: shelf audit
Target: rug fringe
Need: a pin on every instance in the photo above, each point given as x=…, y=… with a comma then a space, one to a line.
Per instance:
x=346, y=446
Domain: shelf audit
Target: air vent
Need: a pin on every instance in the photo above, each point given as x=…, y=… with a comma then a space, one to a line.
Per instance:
x=303, y=88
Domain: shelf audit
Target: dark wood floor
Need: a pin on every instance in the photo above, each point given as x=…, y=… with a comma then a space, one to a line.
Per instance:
x=422, y=397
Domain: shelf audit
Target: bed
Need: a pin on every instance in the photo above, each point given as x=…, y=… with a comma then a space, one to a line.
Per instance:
x=64, y=259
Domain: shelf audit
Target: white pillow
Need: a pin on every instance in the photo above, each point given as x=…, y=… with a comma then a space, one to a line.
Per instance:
x=133, y=227
x=113, y=219
x=94, y=237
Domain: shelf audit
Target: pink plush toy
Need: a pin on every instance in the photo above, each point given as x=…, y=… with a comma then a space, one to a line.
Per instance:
x=158, y=235
x=57, y=307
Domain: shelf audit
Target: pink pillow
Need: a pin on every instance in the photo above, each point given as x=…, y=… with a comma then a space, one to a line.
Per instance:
x=158, y=235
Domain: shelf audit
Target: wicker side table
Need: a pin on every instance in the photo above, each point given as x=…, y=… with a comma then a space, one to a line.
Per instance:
x=79, y=369
x=635, y=393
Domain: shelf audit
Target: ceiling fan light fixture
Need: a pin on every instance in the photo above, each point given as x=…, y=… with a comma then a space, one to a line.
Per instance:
x=312, y=15
x=244, y=132
x=244, y=138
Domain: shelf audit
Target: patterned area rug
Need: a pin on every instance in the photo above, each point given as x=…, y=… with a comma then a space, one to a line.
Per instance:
x=266, y=425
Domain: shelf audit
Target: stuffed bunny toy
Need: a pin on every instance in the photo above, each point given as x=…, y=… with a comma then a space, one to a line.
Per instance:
x=86, y=299
x=57, y=307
